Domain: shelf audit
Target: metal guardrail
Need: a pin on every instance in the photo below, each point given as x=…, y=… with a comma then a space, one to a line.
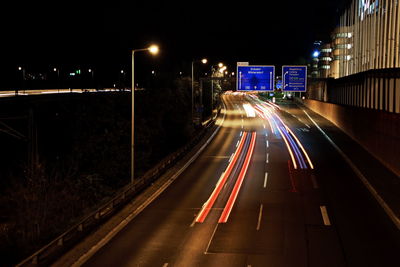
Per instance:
x=65, y=241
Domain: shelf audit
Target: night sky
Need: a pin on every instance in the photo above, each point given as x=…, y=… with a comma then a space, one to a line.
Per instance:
x=102, y=33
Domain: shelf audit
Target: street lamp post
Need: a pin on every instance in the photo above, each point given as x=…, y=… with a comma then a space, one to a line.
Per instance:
x=204, y=61
x=220, y=65
x=153, y=50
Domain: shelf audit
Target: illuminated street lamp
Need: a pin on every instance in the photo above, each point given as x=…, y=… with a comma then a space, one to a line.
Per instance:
x=58, y=77
x=153, y=49
x=204, y=61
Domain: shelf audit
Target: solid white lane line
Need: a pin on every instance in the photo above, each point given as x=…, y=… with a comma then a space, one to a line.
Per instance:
x=212, y=236
x=325, y=216
x=265, y=180
x=237, y=143
x=259, y=217
x=314, y=181
x=364, y=180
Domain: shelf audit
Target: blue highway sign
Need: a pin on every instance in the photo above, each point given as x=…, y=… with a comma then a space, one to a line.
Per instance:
x=294, y=78
x=255, y=78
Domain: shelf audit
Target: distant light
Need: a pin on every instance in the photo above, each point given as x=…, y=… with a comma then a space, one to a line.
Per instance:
x=89, y=70
x=122, y=71
x=226, y=73
x=316, y=54
x=220, y=65
x=114, y=85
x=78, y=71
x=72, y=74
x=19, y=68
x=204, y=61
x=154, y=49
x=153, y=72
x=233, y=73
x=55, y=69
x=206, y=74
x=180, y=73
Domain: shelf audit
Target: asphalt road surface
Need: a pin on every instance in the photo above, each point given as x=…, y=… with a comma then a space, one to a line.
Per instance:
x=269, y=190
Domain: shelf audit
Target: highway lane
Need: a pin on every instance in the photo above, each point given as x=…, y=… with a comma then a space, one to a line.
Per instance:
x=281, y=216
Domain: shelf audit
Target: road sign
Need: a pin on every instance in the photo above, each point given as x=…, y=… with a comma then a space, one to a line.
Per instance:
x=255, y=78
x=294, y=78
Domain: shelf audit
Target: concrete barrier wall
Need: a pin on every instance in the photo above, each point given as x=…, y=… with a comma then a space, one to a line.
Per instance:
x=377, y=131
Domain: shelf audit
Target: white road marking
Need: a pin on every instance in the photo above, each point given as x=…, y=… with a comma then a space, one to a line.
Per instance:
x=325, y=216
x=364, y=180
x=259, y=217
x=264, y=126
x=241, y=133
x=212, y=236
x=237, y=143
x=267, y=158
x=308, y=126
x=265, y=180
x=267, y=143
x=165, y=264
x=230, y=159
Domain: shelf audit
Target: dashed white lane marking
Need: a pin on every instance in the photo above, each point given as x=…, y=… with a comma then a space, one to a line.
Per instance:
x=325, y=216
x=267, y=143
x=241, y=133
x=264, y=126
x=267, y=161
x=265, y=180
x=237, y=143
x=259, y=217
x=364, y=180
x=230, y=159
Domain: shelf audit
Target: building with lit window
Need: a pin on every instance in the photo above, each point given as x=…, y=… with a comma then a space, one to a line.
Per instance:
x=368, y=37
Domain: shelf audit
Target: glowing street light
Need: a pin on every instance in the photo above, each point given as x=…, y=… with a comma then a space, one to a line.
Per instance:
x=316, y=54
x=154, y=50
x=220, y=65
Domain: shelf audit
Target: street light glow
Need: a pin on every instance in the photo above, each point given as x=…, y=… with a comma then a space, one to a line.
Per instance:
x=204, y=61
x=154, y=49
x=55, y=69
x=220, y=65
x=19, y=68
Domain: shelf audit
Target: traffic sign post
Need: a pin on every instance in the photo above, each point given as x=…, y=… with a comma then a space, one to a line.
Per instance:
x=294, y=78
x=255, y=78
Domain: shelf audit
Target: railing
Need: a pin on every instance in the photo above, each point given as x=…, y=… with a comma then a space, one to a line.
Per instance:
x=61, y=244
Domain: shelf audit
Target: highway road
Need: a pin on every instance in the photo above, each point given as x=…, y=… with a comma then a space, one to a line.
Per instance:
x=53, y=91
x=269, y=190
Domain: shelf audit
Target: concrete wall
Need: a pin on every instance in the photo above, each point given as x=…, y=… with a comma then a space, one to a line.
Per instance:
x=377, y=131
